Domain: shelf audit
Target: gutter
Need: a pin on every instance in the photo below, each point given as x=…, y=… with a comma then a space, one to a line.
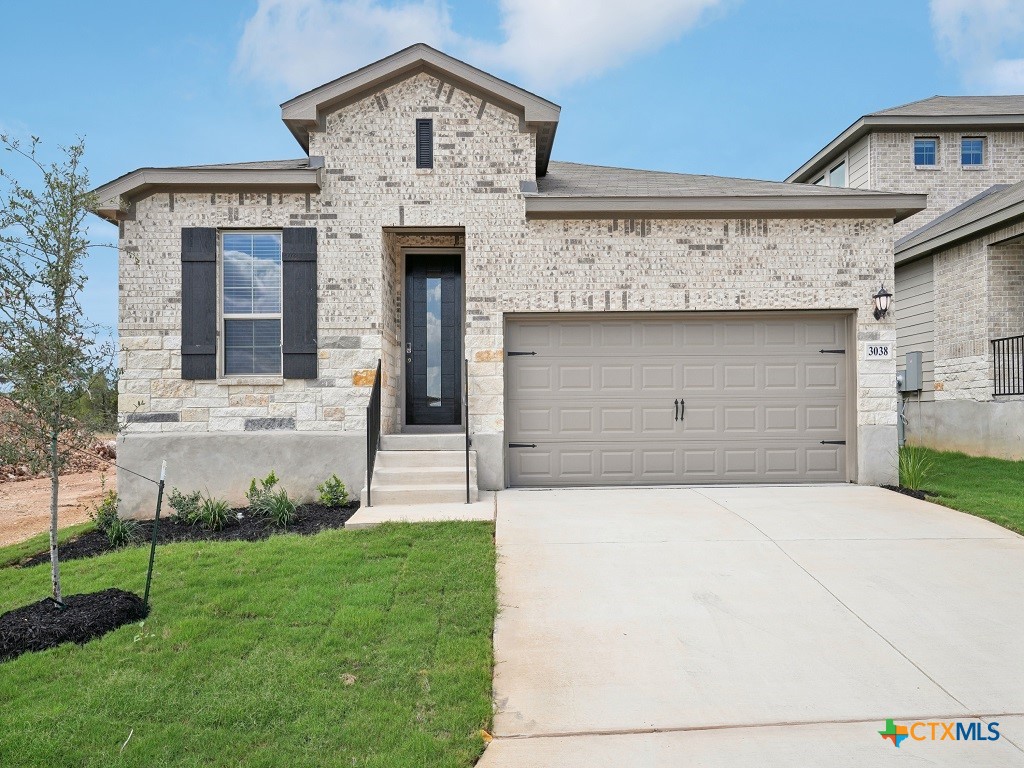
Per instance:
x=874, y=205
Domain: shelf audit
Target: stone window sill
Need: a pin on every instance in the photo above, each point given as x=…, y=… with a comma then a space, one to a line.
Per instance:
x=975, y=168
x=927, y=168
x=262, y=381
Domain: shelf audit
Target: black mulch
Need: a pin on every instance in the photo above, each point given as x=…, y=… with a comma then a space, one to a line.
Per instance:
x=43, y=625
x=312, y=518
x=922, y=495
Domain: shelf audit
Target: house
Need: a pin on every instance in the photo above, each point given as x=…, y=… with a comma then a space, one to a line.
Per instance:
x=959, y=275
x=605, y=325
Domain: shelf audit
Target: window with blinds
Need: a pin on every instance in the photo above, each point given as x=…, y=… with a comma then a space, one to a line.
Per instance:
x=251, y=303
x=425, y=143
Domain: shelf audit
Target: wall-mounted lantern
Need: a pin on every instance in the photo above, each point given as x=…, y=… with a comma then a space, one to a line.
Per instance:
x=882, y=300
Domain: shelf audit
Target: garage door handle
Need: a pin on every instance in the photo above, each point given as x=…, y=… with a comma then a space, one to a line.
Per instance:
x=675, y=409
x=682, y=409
x=522, y=445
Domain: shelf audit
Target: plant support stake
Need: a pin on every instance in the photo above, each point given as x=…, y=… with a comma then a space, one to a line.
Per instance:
x=156, y=526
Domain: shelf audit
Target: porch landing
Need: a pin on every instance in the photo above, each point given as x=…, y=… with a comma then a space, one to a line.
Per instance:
x=367, y=517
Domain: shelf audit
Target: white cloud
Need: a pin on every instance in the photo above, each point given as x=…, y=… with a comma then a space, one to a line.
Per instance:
x=301, y=44
x=556, y=43
x=547, y=43
x=984, y=38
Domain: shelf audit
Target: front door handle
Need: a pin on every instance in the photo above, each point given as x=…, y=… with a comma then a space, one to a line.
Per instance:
x=408, y=348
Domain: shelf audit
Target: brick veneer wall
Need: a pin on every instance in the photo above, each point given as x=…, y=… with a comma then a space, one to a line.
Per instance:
x=949, y=184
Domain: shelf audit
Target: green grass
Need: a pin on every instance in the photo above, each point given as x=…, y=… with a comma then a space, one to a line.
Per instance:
x=989, y=488
x=349, y=648
x=14, y=553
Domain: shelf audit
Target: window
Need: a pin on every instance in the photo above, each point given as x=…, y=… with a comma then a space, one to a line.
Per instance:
x=251, y=303
x=925, y=151
x=425, y=143
x=837, y=176
x=972, y=151
x=820, y=181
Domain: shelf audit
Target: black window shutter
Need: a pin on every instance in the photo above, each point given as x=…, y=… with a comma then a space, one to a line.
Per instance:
x=198, y=303
x=425, y=143
x=299, y=310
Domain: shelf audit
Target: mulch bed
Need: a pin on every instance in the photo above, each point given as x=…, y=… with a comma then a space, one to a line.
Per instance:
x=43, y=625
x=922, y=495
x=312, y=518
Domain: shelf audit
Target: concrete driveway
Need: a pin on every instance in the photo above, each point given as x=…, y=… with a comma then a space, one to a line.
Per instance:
x=761, y=626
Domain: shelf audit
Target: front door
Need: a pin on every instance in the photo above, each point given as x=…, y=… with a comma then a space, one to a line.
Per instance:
x=433, y=340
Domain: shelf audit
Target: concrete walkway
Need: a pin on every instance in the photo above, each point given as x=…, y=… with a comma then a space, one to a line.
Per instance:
x=768, y=626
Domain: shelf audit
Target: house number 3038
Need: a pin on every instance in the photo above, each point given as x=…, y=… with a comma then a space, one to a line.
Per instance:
x=874, y=350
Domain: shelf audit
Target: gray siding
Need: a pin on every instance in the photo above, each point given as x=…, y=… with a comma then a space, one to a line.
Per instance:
x=859, y=176
x=913, y=304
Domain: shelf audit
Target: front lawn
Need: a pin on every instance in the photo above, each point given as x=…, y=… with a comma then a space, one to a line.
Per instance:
x=989, y=488
x=349, y=648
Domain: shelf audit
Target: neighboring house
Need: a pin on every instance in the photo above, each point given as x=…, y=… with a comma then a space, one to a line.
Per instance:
x=620, y=326
x=959, y=279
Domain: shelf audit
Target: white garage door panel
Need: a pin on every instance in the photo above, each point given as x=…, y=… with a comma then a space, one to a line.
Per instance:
x=592, y=401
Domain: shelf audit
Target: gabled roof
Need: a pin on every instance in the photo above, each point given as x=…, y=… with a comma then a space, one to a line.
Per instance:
x=573, y=190
x=997, y=206
x=305, y=112
x=293, y=175
x=936, y=113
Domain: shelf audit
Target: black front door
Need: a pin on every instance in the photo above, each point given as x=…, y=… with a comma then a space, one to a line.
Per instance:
x=433, y=344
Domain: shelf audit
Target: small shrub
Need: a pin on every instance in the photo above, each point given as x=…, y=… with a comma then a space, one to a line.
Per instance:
x=105, y=514
x=185, y=506
x=213, y=513
x=122, y=532
x=333, y=492
x=260, y=489
x=915, y=467
x=278, y=508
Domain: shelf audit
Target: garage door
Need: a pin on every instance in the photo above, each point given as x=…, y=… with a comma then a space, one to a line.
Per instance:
x=675, y=400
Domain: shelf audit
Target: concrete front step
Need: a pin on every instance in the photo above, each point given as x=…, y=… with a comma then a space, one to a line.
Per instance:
x=421, y=494
x=424, y=459
x=385, y=476
x=444, y=442
x=412, y=473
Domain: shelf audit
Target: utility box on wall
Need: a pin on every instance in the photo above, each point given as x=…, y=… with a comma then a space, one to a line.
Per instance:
x=910, y=381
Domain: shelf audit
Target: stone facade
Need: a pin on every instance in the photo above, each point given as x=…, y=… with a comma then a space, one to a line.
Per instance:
x=949, y=183
x=375, y=206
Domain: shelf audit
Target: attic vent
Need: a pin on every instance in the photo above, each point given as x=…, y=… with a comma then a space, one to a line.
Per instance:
x=425, y=143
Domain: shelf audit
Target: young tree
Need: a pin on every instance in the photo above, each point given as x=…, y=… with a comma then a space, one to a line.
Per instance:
x=48, y=350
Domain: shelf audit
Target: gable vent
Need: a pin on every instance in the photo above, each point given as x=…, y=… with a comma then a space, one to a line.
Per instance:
x=425, y=143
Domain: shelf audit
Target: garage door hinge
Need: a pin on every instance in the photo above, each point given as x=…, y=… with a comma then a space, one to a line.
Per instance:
x=516, y=354
x=522, y=445
x=832, y=351
x=833, y=442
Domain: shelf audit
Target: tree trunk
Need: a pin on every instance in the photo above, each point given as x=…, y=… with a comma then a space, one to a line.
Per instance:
x=54, y=490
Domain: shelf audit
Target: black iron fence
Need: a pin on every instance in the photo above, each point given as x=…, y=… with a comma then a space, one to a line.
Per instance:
x=372, y=433
x=1008, y=365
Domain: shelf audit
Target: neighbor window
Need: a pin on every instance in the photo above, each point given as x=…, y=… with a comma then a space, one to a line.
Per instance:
x=425, y=143
x=251, y=303
x=972, y=151
x=925, y=151
x=837, y=176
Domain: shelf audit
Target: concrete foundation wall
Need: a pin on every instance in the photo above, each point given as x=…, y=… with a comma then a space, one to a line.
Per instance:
x=972, y=427
x=222, y=464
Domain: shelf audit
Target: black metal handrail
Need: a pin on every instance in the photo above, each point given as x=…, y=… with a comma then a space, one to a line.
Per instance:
x=1008, y=365
x=465, y=403
x=372, y=432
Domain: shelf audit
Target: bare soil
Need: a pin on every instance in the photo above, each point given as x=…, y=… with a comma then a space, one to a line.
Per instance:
x=25, y=504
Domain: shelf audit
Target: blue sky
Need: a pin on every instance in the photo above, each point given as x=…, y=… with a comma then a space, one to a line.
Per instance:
x=746, y=88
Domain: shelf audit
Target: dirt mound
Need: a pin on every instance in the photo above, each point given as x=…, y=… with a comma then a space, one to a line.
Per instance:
x=43, y=625
x=98, y=454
